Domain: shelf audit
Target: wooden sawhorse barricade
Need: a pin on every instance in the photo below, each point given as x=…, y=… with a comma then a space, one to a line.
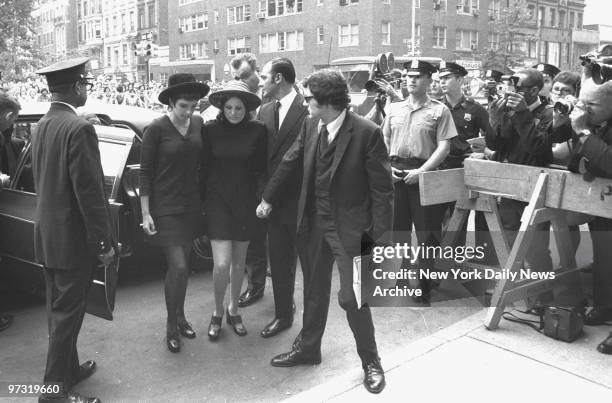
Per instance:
x=551, y=193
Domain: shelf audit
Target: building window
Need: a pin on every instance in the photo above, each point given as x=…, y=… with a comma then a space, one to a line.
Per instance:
x=274, y=8
x=281, y=42
x=467, y=6
x=417, y=3
x=348, y=35
x=319, y=2
x=439, y=37
x=543, y=53
x=115, y=27
x=216, y=15
x=385, y=30
x=562, y=19
x=533, y=47
x=541, y=16
x=553, y=17
x=238, y=45
x=320, y=35
x=193, y=50
x=151, y=15
x=579, y=21
x=123, y=23
x=141, y=18
x=466, y=40
x=493, y=40
x=572, y=17
x=109, y=60
x=183, y=2
x=439, y=5
x=125, y=54
x=194, y=22
x=238, y=14
x=98, y=32
x=494, y=9
x=132, y=22
x=348, y=2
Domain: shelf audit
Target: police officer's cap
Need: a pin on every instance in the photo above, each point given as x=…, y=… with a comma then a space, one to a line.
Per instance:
x=419, y=67
x=448, y=68
x=494, y=75
x=65, y=71
x=546, y=68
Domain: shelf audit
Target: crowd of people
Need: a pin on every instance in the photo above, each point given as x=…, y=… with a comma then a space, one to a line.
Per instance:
x=304, y=174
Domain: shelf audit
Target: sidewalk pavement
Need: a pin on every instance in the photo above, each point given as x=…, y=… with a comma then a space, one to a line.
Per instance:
x=465, y=362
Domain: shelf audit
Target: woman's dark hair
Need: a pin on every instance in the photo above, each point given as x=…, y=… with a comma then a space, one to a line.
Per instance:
x=221, y=116
x=569, y=78
x=187, y=96
x=328, y=87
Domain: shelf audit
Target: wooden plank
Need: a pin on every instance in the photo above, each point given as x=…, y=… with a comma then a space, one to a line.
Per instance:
x=565, y=190
x=444, y=186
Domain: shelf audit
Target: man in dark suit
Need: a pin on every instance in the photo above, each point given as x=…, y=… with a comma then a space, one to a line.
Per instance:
x=73, y=229
x=10, y=147
x=346, y=194
x=283, y=118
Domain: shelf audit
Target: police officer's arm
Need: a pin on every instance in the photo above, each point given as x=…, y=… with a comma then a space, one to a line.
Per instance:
x=292, y=161
x=378, y=170
x=85, y=170
x=446, y=130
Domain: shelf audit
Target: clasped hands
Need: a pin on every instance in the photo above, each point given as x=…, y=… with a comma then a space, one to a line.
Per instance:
x=409, y=176
x=264, y=209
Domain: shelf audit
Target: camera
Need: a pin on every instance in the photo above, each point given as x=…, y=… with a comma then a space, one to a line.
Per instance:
x=564, y=106
x=597, y=64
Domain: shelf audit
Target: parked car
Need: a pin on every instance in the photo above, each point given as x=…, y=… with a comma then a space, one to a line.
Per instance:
x=120, y=140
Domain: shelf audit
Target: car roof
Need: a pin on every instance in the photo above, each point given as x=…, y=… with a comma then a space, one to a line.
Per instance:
x=370, y=59
x=137, y=117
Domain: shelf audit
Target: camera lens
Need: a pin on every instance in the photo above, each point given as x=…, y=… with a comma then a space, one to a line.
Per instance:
x=563, y=108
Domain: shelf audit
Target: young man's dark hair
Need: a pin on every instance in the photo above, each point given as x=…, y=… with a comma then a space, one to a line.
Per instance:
x=8, y=103
x=328, y=87
x=283, y=66
x=533, y=78
x=236, y=64
x=570, y=78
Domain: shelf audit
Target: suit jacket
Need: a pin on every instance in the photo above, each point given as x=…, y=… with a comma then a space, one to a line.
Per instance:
x=279, y=142
x=361, y=190
x=10, y=149
x=73, y=222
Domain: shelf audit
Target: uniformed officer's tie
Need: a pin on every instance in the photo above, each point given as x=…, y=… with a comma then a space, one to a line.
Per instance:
x=324, y=138
x=277, y=106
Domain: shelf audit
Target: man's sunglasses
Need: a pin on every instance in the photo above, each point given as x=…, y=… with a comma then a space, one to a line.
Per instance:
x=88, y=84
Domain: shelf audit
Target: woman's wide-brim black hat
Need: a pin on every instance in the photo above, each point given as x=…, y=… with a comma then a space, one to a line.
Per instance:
x=235, y=88
x=182, y=83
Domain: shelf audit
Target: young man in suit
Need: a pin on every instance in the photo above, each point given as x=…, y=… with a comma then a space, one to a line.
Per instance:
x=346, y=194
x=283, y=118
x=73, y=230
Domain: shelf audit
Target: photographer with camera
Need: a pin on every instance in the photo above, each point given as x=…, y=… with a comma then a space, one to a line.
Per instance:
x=591, y=120
x=549, y=72
x=519, y=135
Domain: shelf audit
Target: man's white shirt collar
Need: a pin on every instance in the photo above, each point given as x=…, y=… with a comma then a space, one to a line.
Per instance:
x=534, y=105
x=334, y=126
x=68, y=105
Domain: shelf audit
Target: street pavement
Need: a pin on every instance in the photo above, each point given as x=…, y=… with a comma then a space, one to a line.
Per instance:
x=134, y=364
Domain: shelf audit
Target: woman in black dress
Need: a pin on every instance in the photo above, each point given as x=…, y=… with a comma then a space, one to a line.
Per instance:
x=235, y=161
x=169, y=192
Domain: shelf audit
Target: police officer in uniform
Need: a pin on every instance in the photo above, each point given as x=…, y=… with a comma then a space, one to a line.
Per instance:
x=549, y=72
x=72, y=222
x=417, y=133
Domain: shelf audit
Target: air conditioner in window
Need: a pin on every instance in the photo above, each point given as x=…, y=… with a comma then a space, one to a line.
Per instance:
x=180, y=30
x=475, y=13
x=261, y=15
x=473, y=47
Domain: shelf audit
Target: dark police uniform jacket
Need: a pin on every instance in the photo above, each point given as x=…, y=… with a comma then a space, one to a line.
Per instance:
x=595, y=154
x=470, y=118
x=523, y=137
x=72, y=214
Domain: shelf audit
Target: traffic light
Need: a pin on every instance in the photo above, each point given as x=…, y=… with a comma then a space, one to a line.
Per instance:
x=148, y=49
x=135, y=48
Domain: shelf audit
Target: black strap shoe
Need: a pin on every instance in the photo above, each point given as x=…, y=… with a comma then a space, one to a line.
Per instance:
x=235, y=321
x=86, y=369
x=605, y=347
x=374, y=377
x=250, y=296
x=276, y=326
x=214, y=328
x=296, y=357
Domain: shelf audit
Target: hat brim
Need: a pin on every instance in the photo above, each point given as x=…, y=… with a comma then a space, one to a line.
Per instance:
x=418, y=73
x=251, y=101
x=192, y=87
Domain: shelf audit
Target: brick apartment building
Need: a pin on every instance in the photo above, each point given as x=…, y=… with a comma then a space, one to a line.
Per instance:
x=203, y=35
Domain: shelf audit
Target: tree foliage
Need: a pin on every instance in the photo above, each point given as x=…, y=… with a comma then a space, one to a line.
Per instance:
x=515, y=24
x=17, y=52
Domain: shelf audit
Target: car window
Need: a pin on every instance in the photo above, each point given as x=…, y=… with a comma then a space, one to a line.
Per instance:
x=25, y=180
x=23, y=130
x=112, y=156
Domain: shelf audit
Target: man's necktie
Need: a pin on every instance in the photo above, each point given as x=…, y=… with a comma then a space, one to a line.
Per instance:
x=324, y=138
x=277, y=106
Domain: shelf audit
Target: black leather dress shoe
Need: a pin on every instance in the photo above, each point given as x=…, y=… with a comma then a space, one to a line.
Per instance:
x=275, y=327
x=374, y=377
x=605, y=347
x=296, y=357
x=214, y=328
x=250, y=296
x=598, y=316
x=173, y=343
x=86, y=370
x=69, y=398
x=186, y=330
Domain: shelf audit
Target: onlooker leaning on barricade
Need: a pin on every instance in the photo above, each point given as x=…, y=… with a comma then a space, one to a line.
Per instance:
x=519, y=135
x=417, y=133
x=592, y=155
